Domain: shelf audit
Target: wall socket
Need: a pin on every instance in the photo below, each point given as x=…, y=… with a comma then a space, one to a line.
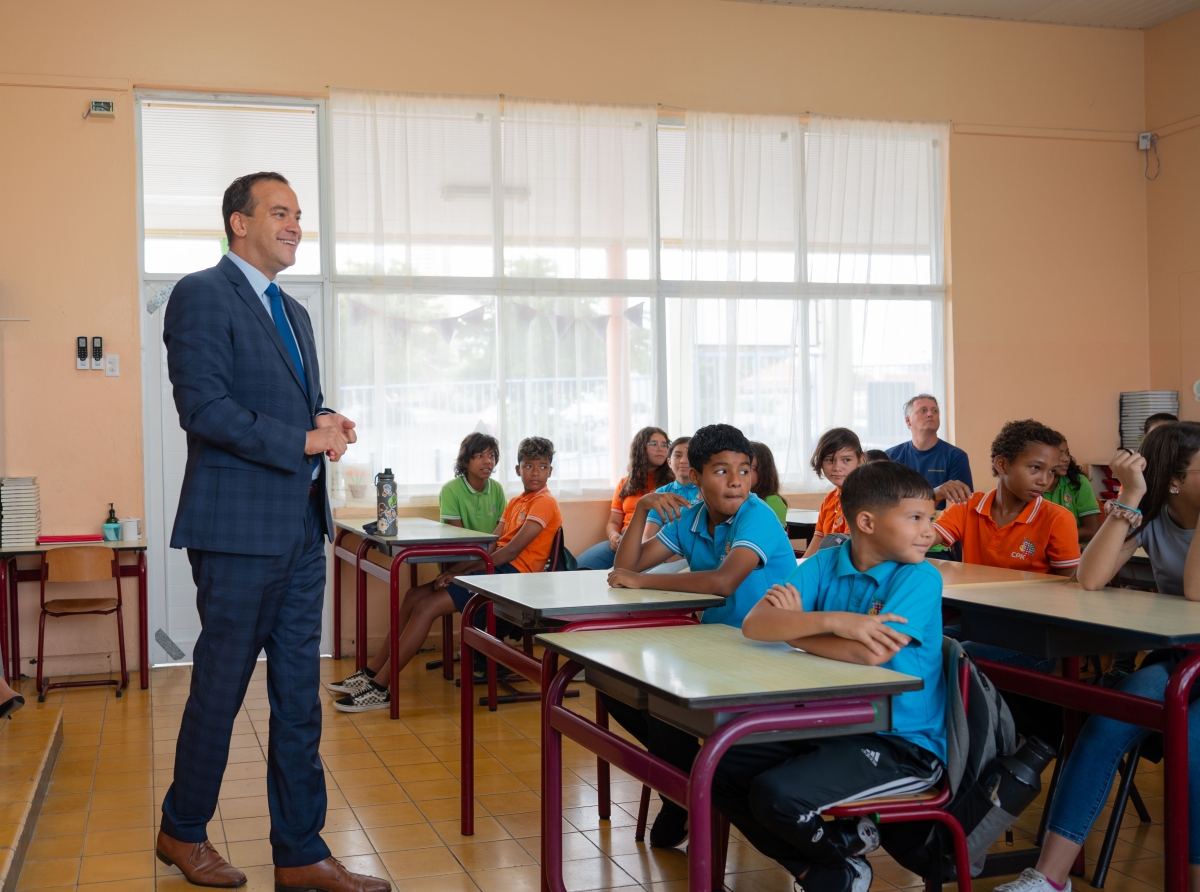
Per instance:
x=1144, y=142
x=112, y=366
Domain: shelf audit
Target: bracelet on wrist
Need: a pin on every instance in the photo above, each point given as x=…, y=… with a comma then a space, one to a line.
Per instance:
x=1131, y=516
x=1126, y=507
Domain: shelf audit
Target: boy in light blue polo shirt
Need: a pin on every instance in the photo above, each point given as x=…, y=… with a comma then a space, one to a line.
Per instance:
x=735, y=547
x=873, y=600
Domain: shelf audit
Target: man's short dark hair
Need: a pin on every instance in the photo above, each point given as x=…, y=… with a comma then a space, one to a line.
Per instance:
x=876, y=455
x=1158, y=418
x=535, y=448
x=239, y=197
x=880, y=485
x=471, y=446
x=1015, y=437
x=714, y=438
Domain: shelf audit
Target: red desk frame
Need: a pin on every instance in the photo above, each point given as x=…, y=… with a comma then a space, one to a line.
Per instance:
x=707, y=828
x=1170, y=717
x=472, y=639
x=10, y=575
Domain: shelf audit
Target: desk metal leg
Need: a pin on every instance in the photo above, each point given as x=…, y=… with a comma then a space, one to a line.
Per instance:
x=360, y=605
x=4, y=644
x=1175, y=780
x=143, y=620
x=14, y=614
x=337, y=595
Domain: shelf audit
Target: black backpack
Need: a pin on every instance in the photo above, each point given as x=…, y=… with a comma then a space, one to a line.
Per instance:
x=975, y=738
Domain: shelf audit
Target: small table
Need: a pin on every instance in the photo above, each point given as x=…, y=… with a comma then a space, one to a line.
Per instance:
x=11, y=575
x=417, y=541
x=1066, y=621
x=801, y=523
x=957, y=575
x=535, y=600
x=709, y=681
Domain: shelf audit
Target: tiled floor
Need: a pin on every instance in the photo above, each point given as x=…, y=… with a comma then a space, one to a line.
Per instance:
x=393, y=805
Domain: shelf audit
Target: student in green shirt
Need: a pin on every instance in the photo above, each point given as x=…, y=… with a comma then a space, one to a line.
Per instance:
x=764, y=480
x=1074, y=492
x=473, y=499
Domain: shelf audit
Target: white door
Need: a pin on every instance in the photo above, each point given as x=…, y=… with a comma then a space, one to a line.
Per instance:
x=171, y=591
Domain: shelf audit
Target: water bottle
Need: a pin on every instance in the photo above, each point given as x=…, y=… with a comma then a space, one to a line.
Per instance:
x=385, y=503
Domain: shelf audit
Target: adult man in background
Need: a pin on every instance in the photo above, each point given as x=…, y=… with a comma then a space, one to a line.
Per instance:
x=946, y=467
x=254, y=517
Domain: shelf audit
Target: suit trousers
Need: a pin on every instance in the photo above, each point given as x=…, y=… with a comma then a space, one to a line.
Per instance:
x=247, y=604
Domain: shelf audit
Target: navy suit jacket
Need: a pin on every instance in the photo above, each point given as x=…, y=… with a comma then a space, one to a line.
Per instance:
x=246, y=416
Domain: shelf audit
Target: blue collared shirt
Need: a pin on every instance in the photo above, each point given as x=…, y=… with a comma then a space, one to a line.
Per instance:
x=259, y=282
x=755, y=527
x=829, y=581
x=689, y=491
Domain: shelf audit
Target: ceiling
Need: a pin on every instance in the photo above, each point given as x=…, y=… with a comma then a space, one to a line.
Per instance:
x=1134, y=14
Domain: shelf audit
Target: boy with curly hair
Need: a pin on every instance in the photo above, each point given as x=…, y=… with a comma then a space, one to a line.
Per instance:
x=1013, y=526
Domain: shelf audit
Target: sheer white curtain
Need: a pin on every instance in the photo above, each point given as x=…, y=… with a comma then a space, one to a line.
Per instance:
x=808, y=268
x=494, y=272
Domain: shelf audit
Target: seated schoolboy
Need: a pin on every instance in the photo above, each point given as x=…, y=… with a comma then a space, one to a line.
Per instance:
x=525, y=534
x=734, y=546
x=1013, y=526
x=648, y=471
x=873, y=600
x=682, y=485
x=838, y=453
x=764, y=481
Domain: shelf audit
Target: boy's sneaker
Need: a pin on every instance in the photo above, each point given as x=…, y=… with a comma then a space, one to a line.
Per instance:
x=351, y=684
x=860, y=870
x=854, y=875
x=1032, y=880
x=853, y=836
x=374, y=697
x=670, y=827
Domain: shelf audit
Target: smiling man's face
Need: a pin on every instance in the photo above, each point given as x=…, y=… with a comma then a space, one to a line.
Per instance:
x=267, y=236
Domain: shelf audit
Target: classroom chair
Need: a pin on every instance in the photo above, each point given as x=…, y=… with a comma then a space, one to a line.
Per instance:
x=84, y=563
x=1126, y=791
x=927, y=806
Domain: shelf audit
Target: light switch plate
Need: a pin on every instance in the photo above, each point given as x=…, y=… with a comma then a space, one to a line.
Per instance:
x=112, y=365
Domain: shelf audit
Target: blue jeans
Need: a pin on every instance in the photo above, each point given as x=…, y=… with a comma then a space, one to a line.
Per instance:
x=1088, y=775
x=1001, y=654
x=599, y=557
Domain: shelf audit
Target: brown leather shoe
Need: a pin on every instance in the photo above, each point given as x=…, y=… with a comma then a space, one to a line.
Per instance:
x=199, y=862
x=326, y=876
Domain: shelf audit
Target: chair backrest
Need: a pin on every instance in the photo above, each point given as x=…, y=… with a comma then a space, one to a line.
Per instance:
x=80, y=563
x=554, y=563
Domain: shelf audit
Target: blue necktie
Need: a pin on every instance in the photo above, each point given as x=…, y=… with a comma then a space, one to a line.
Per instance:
x=285, y=332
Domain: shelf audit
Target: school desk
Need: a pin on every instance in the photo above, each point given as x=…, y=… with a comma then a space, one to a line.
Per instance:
x=709, y=681
x=801, y=523
x=10, y=576
x=535, y=601
x=956, y=574
x=1066, y=621
x=417, y=541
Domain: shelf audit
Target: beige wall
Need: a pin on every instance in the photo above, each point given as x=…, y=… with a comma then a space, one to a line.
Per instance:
x=1173, y=207
x=1048, y=232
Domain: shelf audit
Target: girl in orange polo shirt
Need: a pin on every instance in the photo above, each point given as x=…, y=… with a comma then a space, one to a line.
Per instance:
x=648, y=470
x=838, y=453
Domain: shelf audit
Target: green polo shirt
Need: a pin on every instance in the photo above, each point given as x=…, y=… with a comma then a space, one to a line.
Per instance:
x=1079, y=500
x=478, y=511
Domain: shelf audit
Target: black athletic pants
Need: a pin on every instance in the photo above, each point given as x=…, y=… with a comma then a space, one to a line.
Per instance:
x=775, y=792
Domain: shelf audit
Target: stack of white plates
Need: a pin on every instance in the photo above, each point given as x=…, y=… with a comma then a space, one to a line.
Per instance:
x=1137, y=406
x=20, y=512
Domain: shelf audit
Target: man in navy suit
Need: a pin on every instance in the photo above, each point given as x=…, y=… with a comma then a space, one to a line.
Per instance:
x=254, y=518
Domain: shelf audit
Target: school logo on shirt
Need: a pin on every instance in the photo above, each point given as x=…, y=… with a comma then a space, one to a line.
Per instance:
x=1027, y=549
x=876, y=608
x=1068, y=499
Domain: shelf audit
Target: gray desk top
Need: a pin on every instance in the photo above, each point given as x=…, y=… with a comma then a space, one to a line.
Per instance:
x=801, y=515
x=957, y=575
x=538, y=595
x=706, y=667
x=417, y=531
x=118, y=545
x=1162, y=620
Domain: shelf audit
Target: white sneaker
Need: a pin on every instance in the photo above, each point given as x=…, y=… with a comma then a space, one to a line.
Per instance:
x=1032, y=880
x=364, y=701
x=862, y=874
x=352, y=684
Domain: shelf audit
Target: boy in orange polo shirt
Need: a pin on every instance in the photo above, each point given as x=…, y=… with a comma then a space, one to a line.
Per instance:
x=1013, y=526
x=525, y=537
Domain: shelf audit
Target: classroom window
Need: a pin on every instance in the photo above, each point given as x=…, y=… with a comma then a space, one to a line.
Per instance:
x=192, y=151
x=578, y=271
